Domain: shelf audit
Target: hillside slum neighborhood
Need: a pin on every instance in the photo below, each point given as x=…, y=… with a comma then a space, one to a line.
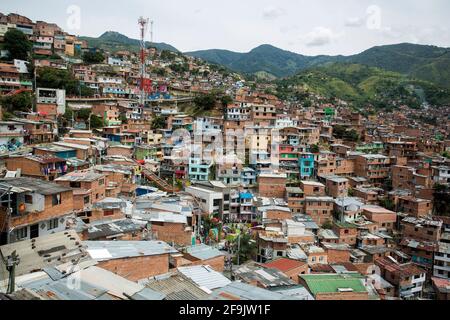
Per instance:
x=103, y=198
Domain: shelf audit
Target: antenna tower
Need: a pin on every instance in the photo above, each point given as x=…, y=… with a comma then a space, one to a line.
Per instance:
x=143, y=25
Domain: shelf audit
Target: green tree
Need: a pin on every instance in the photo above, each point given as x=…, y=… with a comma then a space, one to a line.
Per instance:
x=226, y=100
x=315, y=148
x=160, y=72
x=158, y=122
x=17, y=44
x=327, y=225
x=83, y=114
x=93, y=57
x=167, y=55
x=96, y=122
x=58, y=79
x=206, y=101
x=123, y=118
x=307, y=103
x=19, y=102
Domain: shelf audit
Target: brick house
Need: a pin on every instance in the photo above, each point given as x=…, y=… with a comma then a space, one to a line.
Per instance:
x=346, y=232
x=384, y=218
x=45, y=167
x=335, y=286
x=421, y=229
x=199, y=255
x=295, y=199
x=414, y=206
x=336, y=253
x=37, y=208
x=375, y=168
x=320, y=209
x=272, y=185
x=291, y=268
x=336, y=187
x=89, y=187
x=170, y=227
x=133, y=260
x=312, y=188
x=408, y=279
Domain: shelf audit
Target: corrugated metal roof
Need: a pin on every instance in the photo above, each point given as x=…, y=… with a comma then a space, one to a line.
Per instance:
x=25, y=184
x=177, y=287
x=203, y=252
x=299, y=292
x=205, y=276
x=108, y=250
x=148, y=294
x=242, y=291
x=45, y=251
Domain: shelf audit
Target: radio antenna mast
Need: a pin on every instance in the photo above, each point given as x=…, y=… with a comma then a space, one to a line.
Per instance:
x=143, y=25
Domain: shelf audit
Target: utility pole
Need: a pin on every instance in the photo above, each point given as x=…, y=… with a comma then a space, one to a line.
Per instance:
x=239, y=250
x=34, y=106
x=12, y=260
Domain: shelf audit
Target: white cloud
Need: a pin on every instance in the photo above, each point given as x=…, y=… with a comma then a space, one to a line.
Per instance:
x=320, y=36
x=415, y=34
x=272, y=12
x=354, y=22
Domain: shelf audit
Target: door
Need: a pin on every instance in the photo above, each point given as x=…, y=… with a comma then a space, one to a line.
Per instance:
x=34, y=231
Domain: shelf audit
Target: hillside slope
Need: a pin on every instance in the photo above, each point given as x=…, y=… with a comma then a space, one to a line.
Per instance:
x=114, y=41
x=427, y=63
x=362, y=85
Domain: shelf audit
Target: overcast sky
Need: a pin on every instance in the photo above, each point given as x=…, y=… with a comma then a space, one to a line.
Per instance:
x=308, y=27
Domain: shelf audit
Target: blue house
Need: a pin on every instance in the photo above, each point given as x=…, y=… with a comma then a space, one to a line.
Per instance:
x=306, y=165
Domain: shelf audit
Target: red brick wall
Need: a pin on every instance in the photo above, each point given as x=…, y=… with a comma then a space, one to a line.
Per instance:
x=49, y=212
x=138, y=268
x=335, y=256
x=272, y=187
x=343, y=296
x=173, y=232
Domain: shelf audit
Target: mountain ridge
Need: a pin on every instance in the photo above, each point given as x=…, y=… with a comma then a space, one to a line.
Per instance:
x=116, y=41
x=425, y=62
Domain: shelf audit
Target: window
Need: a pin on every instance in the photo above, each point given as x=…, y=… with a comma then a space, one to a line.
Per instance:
x=86, y=200
x=28, y=199
x=430, y=233
x=56, y=199
x=21, y=233
x=107, y=213
x=52, y=224
x=75, y=184
x=313, y=259
x=101, y=182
